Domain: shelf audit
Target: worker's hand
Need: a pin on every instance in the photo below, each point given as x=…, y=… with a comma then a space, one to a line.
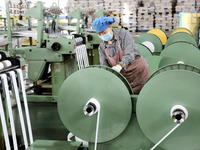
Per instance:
x=117, y=68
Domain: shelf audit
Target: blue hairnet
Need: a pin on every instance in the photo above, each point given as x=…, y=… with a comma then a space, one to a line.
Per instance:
x=102, y=23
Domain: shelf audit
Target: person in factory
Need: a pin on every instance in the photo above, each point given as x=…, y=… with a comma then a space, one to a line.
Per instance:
x=119, y=51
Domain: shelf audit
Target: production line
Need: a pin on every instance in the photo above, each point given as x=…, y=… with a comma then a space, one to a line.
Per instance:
x=89, y=114
x=95, y=103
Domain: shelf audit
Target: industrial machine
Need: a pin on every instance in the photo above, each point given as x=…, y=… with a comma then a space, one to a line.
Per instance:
x=83, y=27
x=109, y=116
x=97, y=105
x=15, y=31
x=154, y=40
x=55, y=57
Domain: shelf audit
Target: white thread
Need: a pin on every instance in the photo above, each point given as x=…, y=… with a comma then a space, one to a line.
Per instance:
x=150, y=45
x=97, y=129
x=21, y=118
x=1, y=66
x=6, y=90
x=165, y=136
x=20, y=77
x=4, y=126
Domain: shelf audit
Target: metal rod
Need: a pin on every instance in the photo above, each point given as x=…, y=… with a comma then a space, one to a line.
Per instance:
x=9, y=27
x=20, y=77
x=6, y=90
x=15, y=88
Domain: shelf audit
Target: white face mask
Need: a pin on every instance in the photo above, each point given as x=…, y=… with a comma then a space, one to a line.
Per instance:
x=107, y=37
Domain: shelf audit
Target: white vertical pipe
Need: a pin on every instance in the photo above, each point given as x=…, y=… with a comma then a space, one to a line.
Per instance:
x=4, y=126
x=6, y=90
x=15, y=88
x=20, y=77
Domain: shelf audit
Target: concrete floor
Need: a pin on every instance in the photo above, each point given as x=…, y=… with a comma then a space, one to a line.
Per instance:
x=45, y=121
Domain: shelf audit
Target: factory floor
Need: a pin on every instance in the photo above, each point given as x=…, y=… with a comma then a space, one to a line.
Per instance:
x=45, y=121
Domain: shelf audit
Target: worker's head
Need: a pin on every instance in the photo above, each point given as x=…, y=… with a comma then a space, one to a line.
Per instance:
x=103, y=26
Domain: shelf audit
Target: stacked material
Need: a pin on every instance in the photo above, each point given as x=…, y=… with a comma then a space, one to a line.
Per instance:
x=176, y=21
x=163, y=17
x=17, y=8
x=114, y=6
x=191, y=22
x=96, y=4
x=83, y=4
x=182, y=6
x=146, y=12
x=69, y=7
x=185, y=5
x=198, y=5
x=129, y=14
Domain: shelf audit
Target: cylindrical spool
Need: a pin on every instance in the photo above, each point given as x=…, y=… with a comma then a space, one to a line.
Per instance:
x=145, y=52
x=6, y=63
x=1, y=66
x=183, y=30
x=181, y=37
x=170, y=88
x=111, y=93
x=180, y=52
x=179, y=114
x=160, y=34
x=151, y=38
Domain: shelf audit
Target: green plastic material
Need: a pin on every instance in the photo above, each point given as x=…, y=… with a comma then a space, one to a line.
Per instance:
x=43, y=54
x=144, y=50
x=170, y=88
x=119, y=75
x=67, y=45
x=174, y=67
x=181, y=37
x=177, y=52
x=131, y=139
x=181, y=29
x=109, y=90
x=151, y=38
x=153, y=62
x=36, y=70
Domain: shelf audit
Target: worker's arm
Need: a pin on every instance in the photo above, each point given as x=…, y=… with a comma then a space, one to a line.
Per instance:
x=102, y=55
x=131, y=52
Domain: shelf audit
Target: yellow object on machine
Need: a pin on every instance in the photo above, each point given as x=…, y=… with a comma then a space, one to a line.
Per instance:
x=191, y=21
x=182, y=30
x=159, y=33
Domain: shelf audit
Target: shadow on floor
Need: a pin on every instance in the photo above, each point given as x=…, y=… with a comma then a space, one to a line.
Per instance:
x=45, y=121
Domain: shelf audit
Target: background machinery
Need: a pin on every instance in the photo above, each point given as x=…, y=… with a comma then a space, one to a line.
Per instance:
x=95, y=103
x=53, y=59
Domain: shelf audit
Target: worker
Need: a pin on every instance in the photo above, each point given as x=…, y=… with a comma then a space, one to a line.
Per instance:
x=119, y=51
